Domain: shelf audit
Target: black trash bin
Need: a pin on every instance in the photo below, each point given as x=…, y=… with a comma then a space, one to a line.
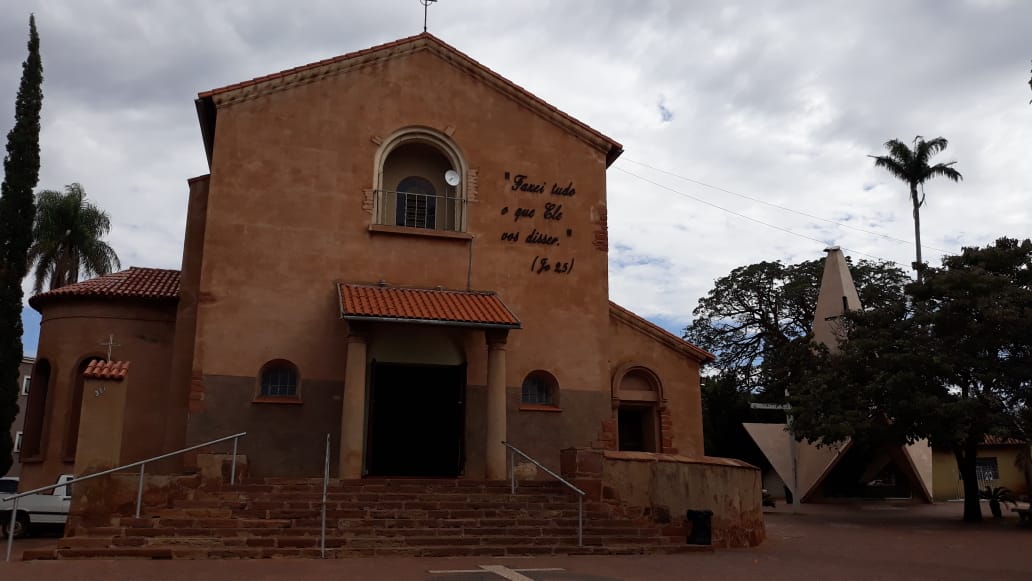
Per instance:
x=701, y=521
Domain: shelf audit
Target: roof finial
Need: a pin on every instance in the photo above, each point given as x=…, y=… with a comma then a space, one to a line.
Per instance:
x=426, y=4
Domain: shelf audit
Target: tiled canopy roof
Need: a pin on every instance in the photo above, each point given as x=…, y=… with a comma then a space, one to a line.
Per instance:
x=137, y=283
x=990, y=440
x=100, y=369
x=462, y=308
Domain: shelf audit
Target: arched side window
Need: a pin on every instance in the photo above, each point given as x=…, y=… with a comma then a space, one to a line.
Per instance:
x=420, y=182
x=279, y=379
x=540, y=388
x=35, y=412
x=638, y=397
x=71, y=438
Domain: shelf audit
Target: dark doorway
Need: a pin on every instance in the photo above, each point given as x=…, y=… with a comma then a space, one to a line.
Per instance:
x=870, y=472
x=416, y=420
x=636, y=428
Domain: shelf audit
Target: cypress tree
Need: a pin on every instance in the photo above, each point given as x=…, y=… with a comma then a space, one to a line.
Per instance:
x=17, y=208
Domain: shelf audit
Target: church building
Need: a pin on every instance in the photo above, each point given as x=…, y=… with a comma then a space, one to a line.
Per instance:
x=397, y=247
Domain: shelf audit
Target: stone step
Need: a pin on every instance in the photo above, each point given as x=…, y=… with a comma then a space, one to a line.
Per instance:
x=385, y=531
x=281, y=518
x=249, y=552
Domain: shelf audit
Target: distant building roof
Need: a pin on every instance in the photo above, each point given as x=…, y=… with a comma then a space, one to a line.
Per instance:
x=135, y=283
x=1001, y=441
x=415, y=305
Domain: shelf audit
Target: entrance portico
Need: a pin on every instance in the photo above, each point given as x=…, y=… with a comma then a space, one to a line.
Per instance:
x=382, y=306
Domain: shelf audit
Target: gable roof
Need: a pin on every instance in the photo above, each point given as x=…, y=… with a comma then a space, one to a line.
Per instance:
x=659, y=334
x=359, y=302
x=153, y=284
x=207, y=101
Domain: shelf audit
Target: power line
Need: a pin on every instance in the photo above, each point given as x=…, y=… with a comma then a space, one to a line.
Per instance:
x=785, y=208
x=750, y=218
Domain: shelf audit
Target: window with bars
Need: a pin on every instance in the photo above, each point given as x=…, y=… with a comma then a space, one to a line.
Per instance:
x=416, y=205
x=279, y=379
x=540, y=388
x=987, y=468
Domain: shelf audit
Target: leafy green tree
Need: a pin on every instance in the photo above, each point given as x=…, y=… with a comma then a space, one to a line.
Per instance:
x=21, y=174
x=66, y=238
x=911, y=166
x=753, y=316
x=953, y=364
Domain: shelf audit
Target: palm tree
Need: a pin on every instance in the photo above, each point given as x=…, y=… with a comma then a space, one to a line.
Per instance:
x=911, y=166
x=66, y=238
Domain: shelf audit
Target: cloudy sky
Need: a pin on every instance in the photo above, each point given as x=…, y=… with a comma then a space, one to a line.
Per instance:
x=733, y=115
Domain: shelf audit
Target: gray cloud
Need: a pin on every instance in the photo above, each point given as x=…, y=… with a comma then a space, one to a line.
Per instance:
x=781, y=101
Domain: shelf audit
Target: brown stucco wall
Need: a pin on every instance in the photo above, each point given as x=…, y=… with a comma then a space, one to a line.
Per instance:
x=664, y=486
x=285, y=218
x=72, y=329
x=947, y=485
x=636, y=345
x=283, y=439
x=182, y=370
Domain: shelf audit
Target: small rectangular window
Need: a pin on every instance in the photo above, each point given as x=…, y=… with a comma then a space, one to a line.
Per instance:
x=25, y=385
x=17, y=441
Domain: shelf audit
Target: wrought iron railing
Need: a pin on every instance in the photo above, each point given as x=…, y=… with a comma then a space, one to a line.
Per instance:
x=417, y=210
x=139, y=490
x=513, y=450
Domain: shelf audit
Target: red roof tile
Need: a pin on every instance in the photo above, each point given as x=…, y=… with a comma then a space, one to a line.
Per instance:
x=1001, y=441
x=137, y=283
x=100, y=369
x=464, y=308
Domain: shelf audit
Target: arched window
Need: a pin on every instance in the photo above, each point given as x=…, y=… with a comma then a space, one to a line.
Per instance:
x=420, y=182
x=35, y=411
x=540, y=388
x=71, y=439
x=637, y=395
x=279, y=378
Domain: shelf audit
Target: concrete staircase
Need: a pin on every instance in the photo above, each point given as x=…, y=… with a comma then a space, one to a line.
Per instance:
x=276, y=518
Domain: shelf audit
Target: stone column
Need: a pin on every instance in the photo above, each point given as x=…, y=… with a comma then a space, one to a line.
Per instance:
x=352, y=430
x=496, y=407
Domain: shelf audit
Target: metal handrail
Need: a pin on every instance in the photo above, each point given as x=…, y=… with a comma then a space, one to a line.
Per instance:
x=426, y=209
x=325, y=484
x=139, y=491
x=513, y=450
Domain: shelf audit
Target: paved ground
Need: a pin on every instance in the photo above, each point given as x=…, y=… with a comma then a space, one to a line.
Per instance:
x=872, y=541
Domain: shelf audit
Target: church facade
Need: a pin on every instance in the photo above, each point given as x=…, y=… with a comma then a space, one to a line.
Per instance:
x=397, y=247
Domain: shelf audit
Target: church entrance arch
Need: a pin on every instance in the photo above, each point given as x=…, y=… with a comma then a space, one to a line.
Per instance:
x=416, y=420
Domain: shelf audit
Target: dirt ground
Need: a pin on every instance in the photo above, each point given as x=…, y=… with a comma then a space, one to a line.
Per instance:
x=870, y=541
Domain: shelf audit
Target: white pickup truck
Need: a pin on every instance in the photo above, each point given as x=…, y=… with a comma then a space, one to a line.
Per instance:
x=37, y=510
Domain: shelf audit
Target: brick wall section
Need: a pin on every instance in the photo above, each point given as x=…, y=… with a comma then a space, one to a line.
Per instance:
x=660, y=487
x=368, y=195
x=666, y=432
x=197, y=401
x=607, y=435
x=601, y=236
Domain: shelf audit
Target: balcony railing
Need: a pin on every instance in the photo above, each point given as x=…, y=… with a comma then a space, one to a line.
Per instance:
x=416, y=210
